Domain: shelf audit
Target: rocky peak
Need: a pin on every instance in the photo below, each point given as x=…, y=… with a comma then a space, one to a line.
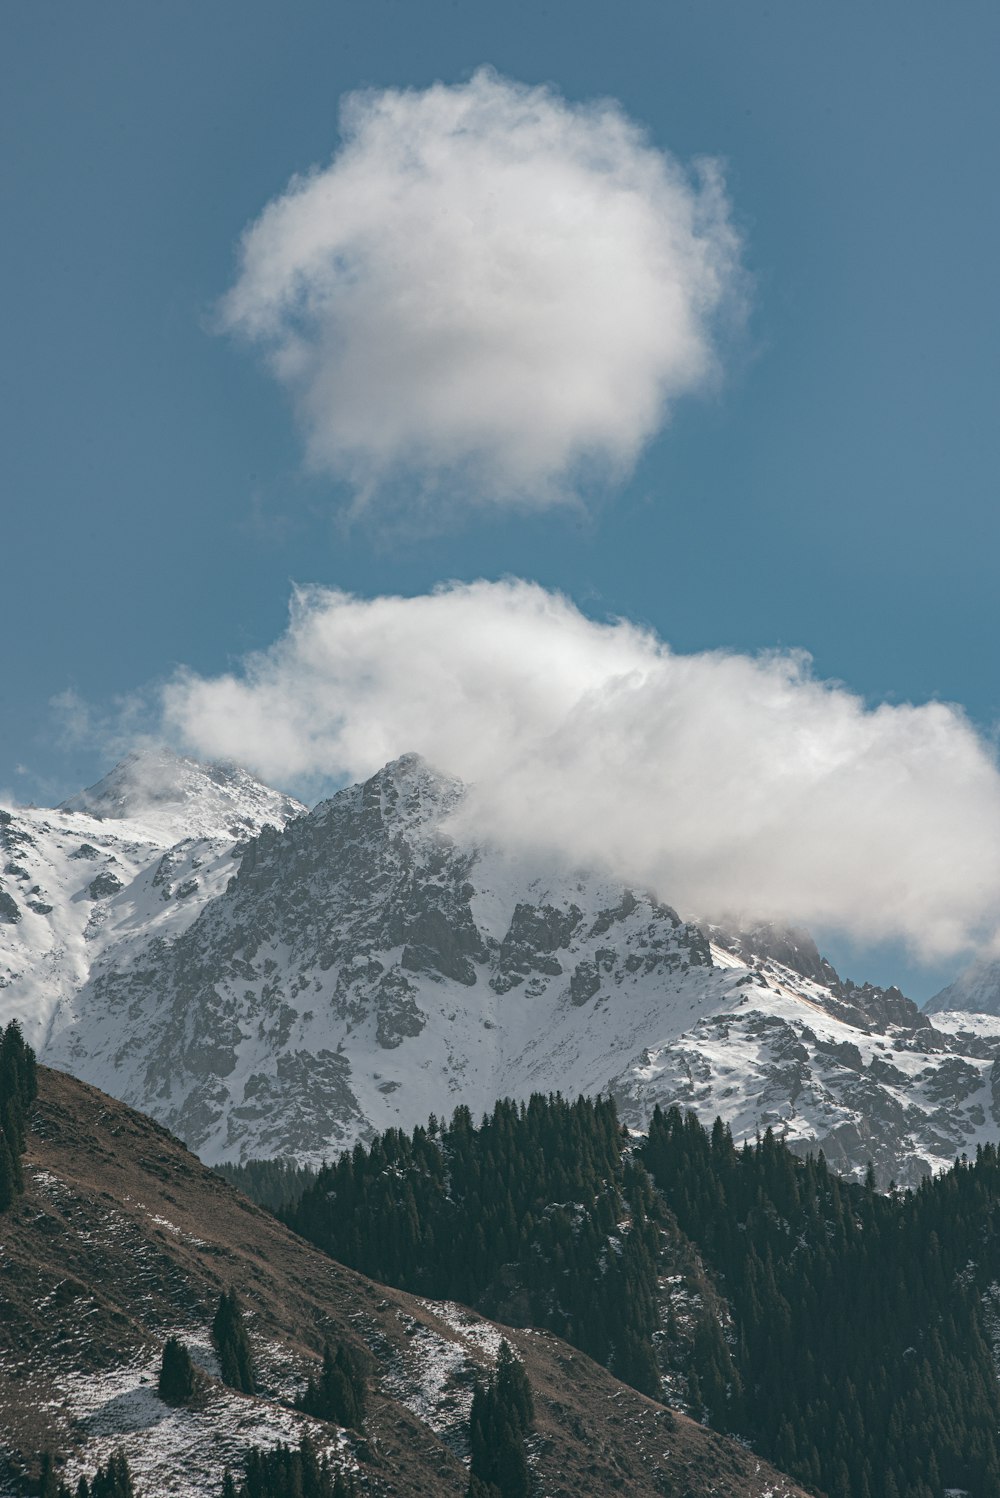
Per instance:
x=405, y=794
x=793, y=948
x=183, y=797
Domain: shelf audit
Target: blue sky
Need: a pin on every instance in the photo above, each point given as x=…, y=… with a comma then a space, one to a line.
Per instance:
x=837, y=491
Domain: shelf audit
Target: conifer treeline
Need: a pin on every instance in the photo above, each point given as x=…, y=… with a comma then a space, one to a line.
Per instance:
x=111, y=1481
x=272, y=1183
x=18, y=1086
x=544, y=1188
x=858, y=1358
x=285, y=1472
x=859, y=1363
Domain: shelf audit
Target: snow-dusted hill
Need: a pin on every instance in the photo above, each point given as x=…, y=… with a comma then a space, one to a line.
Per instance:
x=363, y=969
x=127, y=863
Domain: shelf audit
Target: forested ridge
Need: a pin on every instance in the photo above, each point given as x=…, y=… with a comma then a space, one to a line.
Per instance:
x=862, y=1361
x=855, y=1352
x=537, y=1214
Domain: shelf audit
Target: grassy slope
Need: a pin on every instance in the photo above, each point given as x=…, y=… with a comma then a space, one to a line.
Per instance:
x=122, y=1236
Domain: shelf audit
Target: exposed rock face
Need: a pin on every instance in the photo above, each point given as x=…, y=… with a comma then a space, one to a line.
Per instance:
x=182, y=796
x=123, y=866
x=361, y=967
x=104, y=885
x=792, y=948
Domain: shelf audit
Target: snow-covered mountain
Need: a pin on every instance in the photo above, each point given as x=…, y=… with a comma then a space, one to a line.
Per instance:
x=977, y=990
x=358, y=967
x=124, y=864
x=180, y=799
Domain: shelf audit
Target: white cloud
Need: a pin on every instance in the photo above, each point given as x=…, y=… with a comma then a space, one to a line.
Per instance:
x=489, y=291
x=726, y=782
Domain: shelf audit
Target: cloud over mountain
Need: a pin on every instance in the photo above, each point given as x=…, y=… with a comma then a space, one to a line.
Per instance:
x=487, y=293
x=729, y=783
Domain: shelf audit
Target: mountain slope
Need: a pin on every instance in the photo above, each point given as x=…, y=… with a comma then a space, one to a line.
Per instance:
x=977, y=990
x=128, y=862
x=122, y=1238
x=369, y=965
x=183, y=798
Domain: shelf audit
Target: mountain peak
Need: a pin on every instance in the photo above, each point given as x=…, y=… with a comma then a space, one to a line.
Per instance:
x=976, y=991
x=184, y=797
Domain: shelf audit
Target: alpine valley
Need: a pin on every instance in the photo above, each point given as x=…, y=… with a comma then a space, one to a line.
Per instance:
x=492, y=1288
x=271, y=982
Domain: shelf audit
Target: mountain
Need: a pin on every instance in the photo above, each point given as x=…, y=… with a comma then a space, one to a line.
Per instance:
x=123, y=1239
x=364, y=965
x=181, y=798
x=977, y=991
x=126, y=863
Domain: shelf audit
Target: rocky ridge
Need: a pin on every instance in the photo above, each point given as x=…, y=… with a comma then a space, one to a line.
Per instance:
x=360, y=967
x=124, y=865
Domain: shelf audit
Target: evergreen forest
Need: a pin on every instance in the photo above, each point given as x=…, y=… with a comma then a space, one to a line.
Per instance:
x=848, y=1339
x=537, y=1216
x=272, y=1183
x=859, y=1360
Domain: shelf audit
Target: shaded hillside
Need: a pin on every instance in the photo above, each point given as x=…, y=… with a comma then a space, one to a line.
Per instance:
x=122, y=1238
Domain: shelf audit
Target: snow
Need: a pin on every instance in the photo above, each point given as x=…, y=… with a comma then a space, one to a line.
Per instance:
x=977, y=989
x=277, y=1035
x=165, y=828
x=182, y=1453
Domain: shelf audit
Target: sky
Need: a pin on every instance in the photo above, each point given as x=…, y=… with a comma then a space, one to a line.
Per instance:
x=291, y=320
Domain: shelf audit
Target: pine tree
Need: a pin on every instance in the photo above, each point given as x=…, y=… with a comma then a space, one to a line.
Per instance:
x=114, y=1480
x=229, y=1336
x=48, y=1483
x=513, y=1388
x=339, y=1393
x=18, y=1086
x=177, y=1381
x=502, y=1411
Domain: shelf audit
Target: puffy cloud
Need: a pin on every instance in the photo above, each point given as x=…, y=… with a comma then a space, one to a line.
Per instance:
x=728, y=783
x=489, y=291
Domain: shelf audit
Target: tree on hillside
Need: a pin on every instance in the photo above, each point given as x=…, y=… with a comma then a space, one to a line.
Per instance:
x=177, y=1382
x=502, y=1412
x=18, y=1087
x=229, y=1336
x=286, y=1473
x=339, y=1393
